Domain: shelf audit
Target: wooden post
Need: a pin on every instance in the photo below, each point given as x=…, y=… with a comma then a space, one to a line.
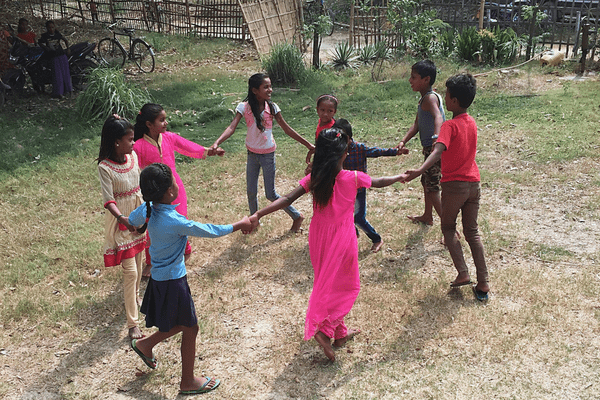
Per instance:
x=584, y=44
x=351, y=30
x=481, y=11
x=316, y=62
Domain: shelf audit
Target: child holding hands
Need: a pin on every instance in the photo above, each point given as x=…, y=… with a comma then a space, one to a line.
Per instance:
x=456, y=146
x=259, y=112
x=429, y=119
x=168, y=303
x=120, y=183
x=153, y=143
x=332, y=239
x=357, y=161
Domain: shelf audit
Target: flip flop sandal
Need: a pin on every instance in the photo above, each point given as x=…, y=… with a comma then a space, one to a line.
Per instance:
x=203, y=388
x=454, y=284
x=149, y=361
x=480, y=295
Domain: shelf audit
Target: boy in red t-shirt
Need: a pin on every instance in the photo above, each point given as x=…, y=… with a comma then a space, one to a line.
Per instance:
x=456, y=146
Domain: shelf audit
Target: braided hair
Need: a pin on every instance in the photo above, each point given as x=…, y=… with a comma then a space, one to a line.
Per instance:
x=331, y=146
x=148, y=113
x=254, y=83
x=155, y=180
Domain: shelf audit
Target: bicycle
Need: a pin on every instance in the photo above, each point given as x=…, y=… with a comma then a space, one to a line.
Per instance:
x=114, y=54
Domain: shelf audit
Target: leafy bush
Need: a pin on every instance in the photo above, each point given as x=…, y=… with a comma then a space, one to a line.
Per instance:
x=500, y=46
x=366, y=54
x=108, y=93
x=285, y=64
x=468, y=44
x=414, y=27
x=343, y=55
x=446, y=41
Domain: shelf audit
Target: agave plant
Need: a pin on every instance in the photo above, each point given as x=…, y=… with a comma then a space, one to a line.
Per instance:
x=343, y=56
x=366, y=54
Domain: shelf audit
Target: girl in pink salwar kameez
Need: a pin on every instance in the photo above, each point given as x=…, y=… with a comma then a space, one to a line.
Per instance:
x=154, y=144
x=331, y=239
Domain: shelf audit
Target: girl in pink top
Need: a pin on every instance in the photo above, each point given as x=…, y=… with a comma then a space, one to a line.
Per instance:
x=331, y=238
x=259, y=113
x=154, y=144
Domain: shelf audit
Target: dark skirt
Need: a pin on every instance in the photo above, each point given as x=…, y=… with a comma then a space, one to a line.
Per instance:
x=168, y=304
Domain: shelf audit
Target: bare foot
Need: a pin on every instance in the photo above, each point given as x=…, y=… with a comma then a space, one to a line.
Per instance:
x=297, y=225
x=342, y=341
x=146, y=271
x=135, y=333
x=419, y=219
x=376, y=246
x=325, y=343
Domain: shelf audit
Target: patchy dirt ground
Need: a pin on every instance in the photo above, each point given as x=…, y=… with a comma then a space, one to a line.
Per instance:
x=256, y=309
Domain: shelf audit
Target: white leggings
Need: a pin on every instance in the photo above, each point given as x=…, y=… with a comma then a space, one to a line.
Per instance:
x=132, y=276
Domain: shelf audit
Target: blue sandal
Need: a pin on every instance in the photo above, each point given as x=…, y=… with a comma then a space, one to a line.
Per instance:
x=149, y=361
x=203, y=388
x=480, y=295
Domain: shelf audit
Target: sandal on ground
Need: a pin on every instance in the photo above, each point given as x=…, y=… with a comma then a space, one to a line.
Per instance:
x=480, y=295
x=149, y=361
x=455, y=284
x=204, y=388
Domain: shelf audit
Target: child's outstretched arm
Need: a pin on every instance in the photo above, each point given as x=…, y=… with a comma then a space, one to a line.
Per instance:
x=278, y=204
x=293, y=134
x=387, y=180
x=243, y=224
x=435, y=155
x=214, y=149
x=412, y=131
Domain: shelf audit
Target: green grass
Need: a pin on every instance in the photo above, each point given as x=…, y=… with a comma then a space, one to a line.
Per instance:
x=537, y=153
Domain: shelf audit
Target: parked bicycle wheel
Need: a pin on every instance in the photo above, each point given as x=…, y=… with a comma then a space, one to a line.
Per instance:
x=143, y=55
x=80, y=71
x=111, y=53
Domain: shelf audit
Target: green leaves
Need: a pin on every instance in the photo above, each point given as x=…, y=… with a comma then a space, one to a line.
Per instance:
x=108, y=93
x=284, y=64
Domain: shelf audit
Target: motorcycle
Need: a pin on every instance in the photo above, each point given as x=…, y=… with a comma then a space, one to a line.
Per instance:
x=33, y=61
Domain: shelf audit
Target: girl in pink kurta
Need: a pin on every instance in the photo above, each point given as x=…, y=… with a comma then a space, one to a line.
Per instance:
x=153, y=144
x=331, y=238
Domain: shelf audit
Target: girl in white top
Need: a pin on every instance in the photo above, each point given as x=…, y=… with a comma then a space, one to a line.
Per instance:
x=259, y=112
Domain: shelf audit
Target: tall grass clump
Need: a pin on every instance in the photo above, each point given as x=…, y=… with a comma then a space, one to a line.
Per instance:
x=108, y=93
x=284, y=64
x=468, y=44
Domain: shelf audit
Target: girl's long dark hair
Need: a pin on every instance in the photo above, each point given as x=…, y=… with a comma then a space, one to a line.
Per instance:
x=148, y=113
x=254, y=83
x=155, y=180
x=114, y=128
x=331, y=146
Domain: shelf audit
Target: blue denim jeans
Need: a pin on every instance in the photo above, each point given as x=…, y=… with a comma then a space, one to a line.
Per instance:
x=253, y=166
x=360, y=217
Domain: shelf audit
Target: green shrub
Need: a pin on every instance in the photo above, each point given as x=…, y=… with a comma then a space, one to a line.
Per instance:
x=343, y=56
x=468, y=44
x=108, y=93
x=447, y=44
x=284, y=64
x=366, y=54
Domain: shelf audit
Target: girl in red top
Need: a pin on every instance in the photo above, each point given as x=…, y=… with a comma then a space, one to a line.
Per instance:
x=24, y=31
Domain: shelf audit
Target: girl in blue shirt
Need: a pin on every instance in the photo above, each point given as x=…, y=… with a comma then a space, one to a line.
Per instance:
x=168, y=303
